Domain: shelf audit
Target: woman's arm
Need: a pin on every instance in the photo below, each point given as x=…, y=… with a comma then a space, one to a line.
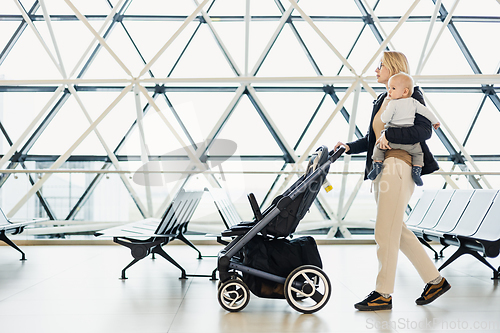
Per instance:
x=358, y=146
x=420, y=131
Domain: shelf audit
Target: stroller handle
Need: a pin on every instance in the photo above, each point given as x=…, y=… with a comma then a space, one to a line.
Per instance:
x=334, y=155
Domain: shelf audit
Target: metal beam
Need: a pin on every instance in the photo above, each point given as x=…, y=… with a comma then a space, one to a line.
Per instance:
x=287, y=152
x=473, y=123
x=472, y=63
x=97, y=179
x=283, y=19
x=306, y=89
x=17, y=34
x=356, y=40
x=18, y=156
x=125, y=158
x=116, y=19
x=89, y=190
x=452, y=79
x=157, y=90
x=458, y=158
x=4, y=177
x=439, y=132
x=342, y=230
x=468, y=56
x=273, y=185
x=330, y=90
x=255, y=18
x=300, y=40
x=55, y=109
x=368, y=20
x=61, y=160
x=219, y=42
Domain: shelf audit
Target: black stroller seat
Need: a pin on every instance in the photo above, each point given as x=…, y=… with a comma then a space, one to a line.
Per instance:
x=286, y=222
x=261, y=257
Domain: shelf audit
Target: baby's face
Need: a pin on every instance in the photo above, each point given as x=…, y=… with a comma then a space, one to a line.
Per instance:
x=396, y=89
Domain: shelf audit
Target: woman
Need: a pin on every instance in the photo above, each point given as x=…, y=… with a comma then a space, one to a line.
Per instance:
x=393, y=190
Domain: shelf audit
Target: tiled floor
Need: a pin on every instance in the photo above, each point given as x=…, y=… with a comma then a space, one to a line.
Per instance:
x=77, y=289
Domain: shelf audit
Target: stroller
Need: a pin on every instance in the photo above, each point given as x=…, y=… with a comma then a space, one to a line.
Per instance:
x=261, y=257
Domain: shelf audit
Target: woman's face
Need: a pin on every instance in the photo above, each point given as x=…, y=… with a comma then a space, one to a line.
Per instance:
x=383, y=73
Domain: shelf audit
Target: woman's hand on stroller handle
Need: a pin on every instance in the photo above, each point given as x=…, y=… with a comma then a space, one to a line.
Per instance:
x=340, y=144
x=339, y=149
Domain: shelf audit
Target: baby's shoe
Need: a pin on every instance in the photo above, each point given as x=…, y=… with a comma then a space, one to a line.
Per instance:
x=376, y=169
x=416, y=171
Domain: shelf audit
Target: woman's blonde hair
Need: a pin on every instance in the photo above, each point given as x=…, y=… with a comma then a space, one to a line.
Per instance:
x=395, y=62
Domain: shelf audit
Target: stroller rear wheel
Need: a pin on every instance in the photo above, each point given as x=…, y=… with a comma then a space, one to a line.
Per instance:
x=307, y=289
x=233, y=295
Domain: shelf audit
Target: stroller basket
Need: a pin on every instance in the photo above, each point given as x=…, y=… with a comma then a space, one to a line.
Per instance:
x=306, y=287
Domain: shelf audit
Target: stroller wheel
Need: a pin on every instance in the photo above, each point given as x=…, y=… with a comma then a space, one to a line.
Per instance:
x=307, y=289
x=236, y=276
x=233, y=295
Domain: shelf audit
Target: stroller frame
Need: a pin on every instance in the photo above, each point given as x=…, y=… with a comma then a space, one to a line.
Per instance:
x=227, y=263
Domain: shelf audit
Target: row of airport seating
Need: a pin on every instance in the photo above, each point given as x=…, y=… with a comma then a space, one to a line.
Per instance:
x=468, y=219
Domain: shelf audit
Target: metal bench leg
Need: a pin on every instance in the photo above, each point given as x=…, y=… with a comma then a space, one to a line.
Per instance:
x=463, y=250
x=186, y=241
x=436, y=256
x=158, y=249
x=4, y=238
x=484, y=261
x=131, y=263
x=441, y=252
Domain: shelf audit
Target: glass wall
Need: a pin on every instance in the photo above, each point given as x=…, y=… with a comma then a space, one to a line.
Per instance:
x=93, y=91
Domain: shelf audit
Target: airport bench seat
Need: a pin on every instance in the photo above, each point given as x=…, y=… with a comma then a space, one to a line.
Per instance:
x=148, y=236
x=468, y=219
x=8, y=227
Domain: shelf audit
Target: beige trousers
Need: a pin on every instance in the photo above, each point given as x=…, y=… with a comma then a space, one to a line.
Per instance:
x=393, y=190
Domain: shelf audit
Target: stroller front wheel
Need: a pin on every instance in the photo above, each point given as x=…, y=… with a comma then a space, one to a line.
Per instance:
x=236, y=276
x=233, y=295
x=307, y=289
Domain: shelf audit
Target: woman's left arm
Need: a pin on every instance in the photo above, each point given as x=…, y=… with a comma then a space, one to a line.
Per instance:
x=420, y=131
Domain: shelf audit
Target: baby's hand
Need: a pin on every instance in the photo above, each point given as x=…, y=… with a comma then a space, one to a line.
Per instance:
x=436, y=125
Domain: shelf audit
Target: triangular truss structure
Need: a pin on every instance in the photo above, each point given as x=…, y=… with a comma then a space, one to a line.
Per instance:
x=98, y=70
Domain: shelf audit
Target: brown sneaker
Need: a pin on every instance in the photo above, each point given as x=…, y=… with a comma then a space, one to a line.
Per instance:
x=374, y=302
x=433, y=291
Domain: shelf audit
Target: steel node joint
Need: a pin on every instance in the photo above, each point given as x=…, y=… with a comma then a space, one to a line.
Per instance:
x=18, y=157
x=159, y=89
x=329, y=89
x=367, y=19
x=118, y=18
x=488, y=89
x=458, y=159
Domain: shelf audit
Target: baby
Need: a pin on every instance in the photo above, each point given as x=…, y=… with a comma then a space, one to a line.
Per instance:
x=400, y=112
